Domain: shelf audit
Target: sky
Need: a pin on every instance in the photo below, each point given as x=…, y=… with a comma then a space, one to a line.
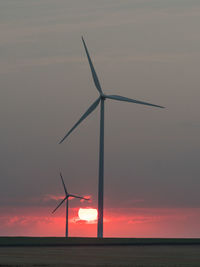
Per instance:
x=143, y=49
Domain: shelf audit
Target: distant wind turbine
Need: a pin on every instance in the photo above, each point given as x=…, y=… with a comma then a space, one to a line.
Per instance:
x=67, y=195
x=102, y=97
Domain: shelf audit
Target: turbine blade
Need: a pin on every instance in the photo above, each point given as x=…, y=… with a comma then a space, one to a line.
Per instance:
x=87, y=113
x=94, y=75
x=59, y=204
x=79, y=197
x=121, y=98
x=63, y=184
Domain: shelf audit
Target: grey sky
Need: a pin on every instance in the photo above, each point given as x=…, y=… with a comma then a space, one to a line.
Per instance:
x=147, y=50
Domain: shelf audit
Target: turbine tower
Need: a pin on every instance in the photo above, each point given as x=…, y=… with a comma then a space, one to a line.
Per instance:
x=66, y=198
x=101, y=99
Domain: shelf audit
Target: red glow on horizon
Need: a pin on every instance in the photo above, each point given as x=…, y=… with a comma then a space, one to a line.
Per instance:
x=118, y=222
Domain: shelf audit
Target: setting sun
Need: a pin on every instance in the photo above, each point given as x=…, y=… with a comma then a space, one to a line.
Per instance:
x=87, y=214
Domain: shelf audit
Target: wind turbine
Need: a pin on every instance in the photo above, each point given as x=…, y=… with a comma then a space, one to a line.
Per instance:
x=101, y=99
x=66, y=198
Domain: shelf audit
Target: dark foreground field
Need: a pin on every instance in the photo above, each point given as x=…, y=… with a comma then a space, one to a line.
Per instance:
x=179, y=253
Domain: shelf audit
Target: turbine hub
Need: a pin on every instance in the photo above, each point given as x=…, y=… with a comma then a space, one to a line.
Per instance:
x=103, y=97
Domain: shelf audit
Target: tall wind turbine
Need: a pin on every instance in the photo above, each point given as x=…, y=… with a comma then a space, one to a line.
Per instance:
x=101, y=99
x=66, y=198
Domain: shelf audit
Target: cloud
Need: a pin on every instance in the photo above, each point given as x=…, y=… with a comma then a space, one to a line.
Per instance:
x=48, y=197
x=77, y=220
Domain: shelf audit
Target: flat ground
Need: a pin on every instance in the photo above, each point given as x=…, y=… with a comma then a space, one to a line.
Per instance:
x=82, y=256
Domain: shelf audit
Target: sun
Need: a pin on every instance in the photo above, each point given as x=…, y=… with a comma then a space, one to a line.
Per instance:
x=87, y=214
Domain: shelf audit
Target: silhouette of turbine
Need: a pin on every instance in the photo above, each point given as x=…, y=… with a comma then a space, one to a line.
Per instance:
x=101, y=99
x=67, y=195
